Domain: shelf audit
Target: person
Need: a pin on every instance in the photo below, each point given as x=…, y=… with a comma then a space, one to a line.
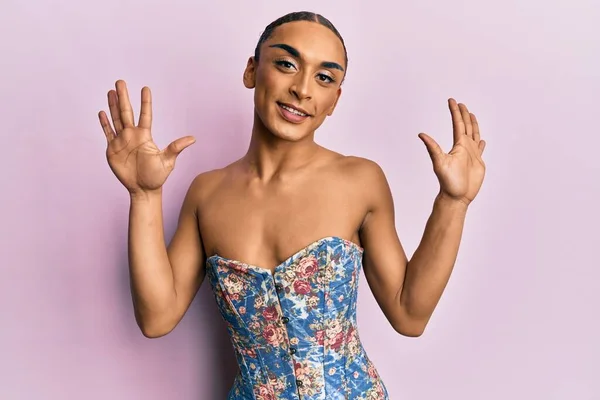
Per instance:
x=283, y=232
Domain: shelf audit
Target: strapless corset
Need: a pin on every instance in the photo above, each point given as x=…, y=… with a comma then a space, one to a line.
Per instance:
x=294, y=331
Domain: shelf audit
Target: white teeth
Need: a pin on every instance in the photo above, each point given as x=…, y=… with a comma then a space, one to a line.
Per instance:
x=293, y=111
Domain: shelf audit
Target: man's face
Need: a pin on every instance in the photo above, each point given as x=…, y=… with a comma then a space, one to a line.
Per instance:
x=297, y=80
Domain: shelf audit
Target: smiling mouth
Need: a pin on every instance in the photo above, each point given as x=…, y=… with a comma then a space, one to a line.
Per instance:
x=293, y=110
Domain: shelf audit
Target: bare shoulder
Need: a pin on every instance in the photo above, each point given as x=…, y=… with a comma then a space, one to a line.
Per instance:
x=204, y=184
x=364, y=173
x=360, y=167
x=361, y=178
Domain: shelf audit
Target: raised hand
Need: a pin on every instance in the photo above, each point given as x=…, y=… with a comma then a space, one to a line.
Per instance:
x=132, y=155
x=460, y=172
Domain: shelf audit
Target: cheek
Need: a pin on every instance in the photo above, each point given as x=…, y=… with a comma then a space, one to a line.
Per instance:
x=327, y=103
x=266, y=87
x=266, y=79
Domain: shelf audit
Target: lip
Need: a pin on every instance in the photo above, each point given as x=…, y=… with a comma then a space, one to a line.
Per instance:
x=295, y=108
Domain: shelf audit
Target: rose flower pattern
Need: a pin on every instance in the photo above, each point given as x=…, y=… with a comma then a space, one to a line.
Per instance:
x=294, y=332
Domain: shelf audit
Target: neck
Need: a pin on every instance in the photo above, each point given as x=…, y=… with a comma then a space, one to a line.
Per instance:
x=269, y=156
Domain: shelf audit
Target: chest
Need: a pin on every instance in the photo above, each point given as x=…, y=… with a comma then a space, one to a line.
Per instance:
x=264, y=227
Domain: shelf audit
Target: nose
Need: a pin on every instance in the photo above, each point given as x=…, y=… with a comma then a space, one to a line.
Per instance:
x=300, y=87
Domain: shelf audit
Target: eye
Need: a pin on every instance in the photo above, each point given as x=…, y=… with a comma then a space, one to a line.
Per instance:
x=285, y=64
x=326, y=78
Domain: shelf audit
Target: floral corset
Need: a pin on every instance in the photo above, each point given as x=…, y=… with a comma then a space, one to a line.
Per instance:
x=294, y=331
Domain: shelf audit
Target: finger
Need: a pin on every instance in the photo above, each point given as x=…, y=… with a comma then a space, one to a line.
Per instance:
x=481, y=147
x=115, y=114
x=177, y=146
x=458, y=126
x=146, y=111
x=476, y=135
x=466, y=116
x=124, y=104
x=108, y=130
x=433, y=148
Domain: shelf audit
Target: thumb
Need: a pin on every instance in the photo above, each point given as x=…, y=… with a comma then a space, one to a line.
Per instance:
x=178, y=145
x=433, y=148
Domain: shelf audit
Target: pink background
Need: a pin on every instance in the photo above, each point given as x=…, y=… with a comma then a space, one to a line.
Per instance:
x=519, y=319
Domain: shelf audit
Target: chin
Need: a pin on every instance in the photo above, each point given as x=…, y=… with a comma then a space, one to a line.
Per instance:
x=289, y=133
x=285, y=130
x=276, y=125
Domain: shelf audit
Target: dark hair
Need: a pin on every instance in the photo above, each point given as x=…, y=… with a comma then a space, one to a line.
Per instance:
x=293, y=17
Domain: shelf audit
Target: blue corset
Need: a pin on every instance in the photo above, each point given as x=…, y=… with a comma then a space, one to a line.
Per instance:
x=294, y=331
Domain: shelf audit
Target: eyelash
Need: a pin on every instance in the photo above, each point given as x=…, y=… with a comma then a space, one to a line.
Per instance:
x=287, y=64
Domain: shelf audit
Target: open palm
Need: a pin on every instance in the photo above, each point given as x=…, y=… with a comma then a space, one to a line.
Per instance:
x=132, y=155
x=461, y=171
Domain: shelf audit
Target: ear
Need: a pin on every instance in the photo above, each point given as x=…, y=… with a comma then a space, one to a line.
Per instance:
x=330, y=112
x=250, y=73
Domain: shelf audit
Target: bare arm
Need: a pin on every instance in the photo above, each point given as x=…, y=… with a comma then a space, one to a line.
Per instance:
x=164, y=280
x=429, y=269
x=409, y=291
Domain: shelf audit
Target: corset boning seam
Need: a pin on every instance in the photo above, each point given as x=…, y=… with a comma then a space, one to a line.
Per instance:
x=245, y=372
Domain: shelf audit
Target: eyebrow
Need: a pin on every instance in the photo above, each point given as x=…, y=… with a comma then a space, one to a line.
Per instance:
x=296, y=53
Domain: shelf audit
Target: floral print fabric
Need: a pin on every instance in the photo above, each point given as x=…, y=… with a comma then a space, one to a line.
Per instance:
x=294, y=331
